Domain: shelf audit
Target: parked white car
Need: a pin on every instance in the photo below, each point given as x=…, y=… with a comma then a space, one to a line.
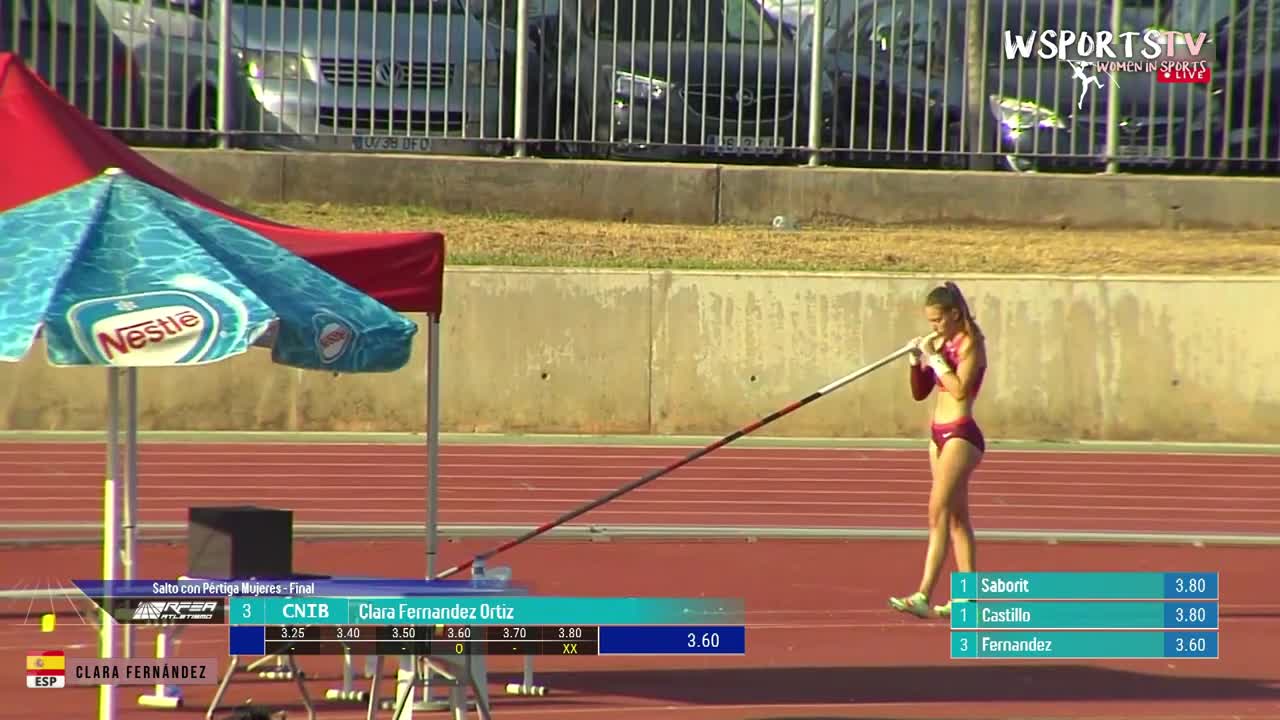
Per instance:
x=363, y=75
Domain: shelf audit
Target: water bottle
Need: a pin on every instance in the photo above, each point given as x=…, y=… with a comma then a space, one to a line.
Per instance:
x=496, y=576
x=784, y=222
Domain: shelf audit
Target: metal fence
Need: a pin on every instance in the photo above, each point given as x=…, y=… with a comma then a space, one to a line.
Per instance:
x=890, y=83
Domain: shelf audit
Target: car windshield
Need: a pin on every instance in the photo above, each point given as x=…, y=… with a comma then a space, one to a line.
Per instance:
x=1195, y=15
x=836, y=15
x=711, y=21
x=1257, y=32
x=396, y=6
x=791, y=12
x=63, y=12
x=1026, y=19
x=902, y=33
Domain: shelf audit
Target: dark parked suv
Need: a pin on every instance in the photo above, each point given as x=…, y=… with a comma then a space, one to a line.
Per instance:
x=1246, y=120
x=666, y=79
x=901, y=91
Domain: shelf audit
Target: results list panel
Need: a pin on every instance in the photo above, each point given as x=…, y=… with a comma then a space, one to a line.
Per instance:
x=1072, y=615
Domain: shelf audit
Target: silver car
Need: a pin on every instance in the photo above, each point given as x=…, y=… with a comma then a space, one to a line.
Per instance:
x=362, y=75
x=68, y=43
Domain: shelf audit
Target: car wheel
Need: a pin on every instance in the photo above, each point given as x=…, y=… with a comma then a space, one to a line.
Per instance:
x=202, y=119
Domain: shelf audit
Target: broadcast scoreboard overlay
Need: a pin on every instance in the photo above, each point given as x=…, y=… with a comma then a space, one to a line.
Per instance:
x=336, y=616
x=484, y=626
x=1081, y=615
x=1032, y=615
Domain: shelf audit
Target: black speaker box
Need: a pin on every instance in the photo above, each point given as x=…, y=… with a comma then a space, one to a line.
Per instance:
x=239, y=543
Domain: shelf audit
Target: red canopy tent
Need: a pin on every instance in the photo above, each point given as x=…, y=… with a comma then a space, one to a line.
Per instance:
x=47, y=144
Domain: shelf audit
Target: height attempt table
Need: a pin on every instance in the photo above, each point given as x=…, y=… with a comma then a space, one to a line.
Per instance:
x=1084, y=615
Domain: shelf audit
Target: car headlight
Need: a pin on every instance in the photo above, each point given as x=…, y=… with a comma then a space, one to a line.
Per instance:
x=1019, y=115
x=269, y=65
x=639, y=87
x=486, y=73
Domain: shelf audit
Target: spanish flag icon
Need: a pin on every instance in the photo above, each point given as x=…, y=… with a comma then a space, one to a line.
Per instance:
x=46, y=669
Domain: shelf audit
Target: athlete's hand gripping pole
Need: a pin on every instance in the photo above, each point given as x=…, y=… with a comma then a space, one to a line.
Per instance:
x=479, y=560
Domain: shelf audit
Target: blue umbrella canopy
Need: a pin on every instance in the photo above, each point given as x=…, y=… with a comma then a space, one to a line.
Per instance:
x=117, y=272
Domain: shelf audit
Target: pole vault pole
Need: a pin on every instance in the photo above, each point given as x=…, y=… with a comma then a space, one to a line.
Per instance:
x=479, y=560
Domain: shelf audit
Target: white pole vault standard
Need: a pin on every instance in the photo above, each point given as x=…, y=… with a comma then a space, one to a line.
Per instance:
x=433, y=441
x=110, y=539
x=820, y=392
x=129, y=501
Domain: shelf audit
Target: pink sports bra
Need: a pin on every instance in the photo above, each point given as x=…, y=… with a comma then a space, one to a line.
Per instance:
x=951, y=352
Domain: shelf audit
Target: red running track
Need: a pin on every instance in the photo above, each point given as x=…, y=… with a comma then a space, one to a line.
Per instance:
x=821, y=644
x=776, y=487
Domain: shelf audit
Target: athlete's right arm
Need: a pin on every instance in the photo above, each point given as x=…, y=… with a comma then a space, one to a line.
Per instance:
x=921, y=383
x=922, y=377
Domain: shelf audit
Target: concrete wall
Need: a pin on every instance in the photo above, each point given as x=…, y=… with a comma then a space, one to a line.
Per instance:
x=706, y=194
x=637, y=352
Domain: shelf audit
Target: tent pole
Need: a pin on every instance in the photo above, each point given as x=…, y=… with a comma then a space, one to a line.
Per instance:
x=130, y=499
x=433, y=438
x=110, y=538
x=433, y=474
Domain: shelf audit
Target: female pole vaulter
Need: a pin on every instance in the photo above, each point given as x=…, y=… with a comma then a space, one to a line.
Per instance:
x=957, y=367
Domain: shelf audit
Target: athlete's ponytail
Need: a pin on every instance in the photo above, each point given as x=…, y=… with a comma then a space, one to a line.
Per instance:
x=949, y=297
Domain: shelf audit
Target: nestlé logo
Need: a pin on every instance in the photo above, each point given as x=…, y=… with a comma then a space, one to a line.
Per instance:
x=333, y=337
x=169, y=327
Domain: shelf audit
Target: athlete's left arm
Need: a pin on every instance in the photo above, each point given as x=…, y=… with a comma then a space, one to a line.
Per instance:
x=960, y=381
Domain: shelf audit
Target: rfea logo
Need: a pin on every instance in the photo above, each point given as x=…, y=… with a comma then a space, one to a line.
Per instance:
x=168, y=327
x=334, y=337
